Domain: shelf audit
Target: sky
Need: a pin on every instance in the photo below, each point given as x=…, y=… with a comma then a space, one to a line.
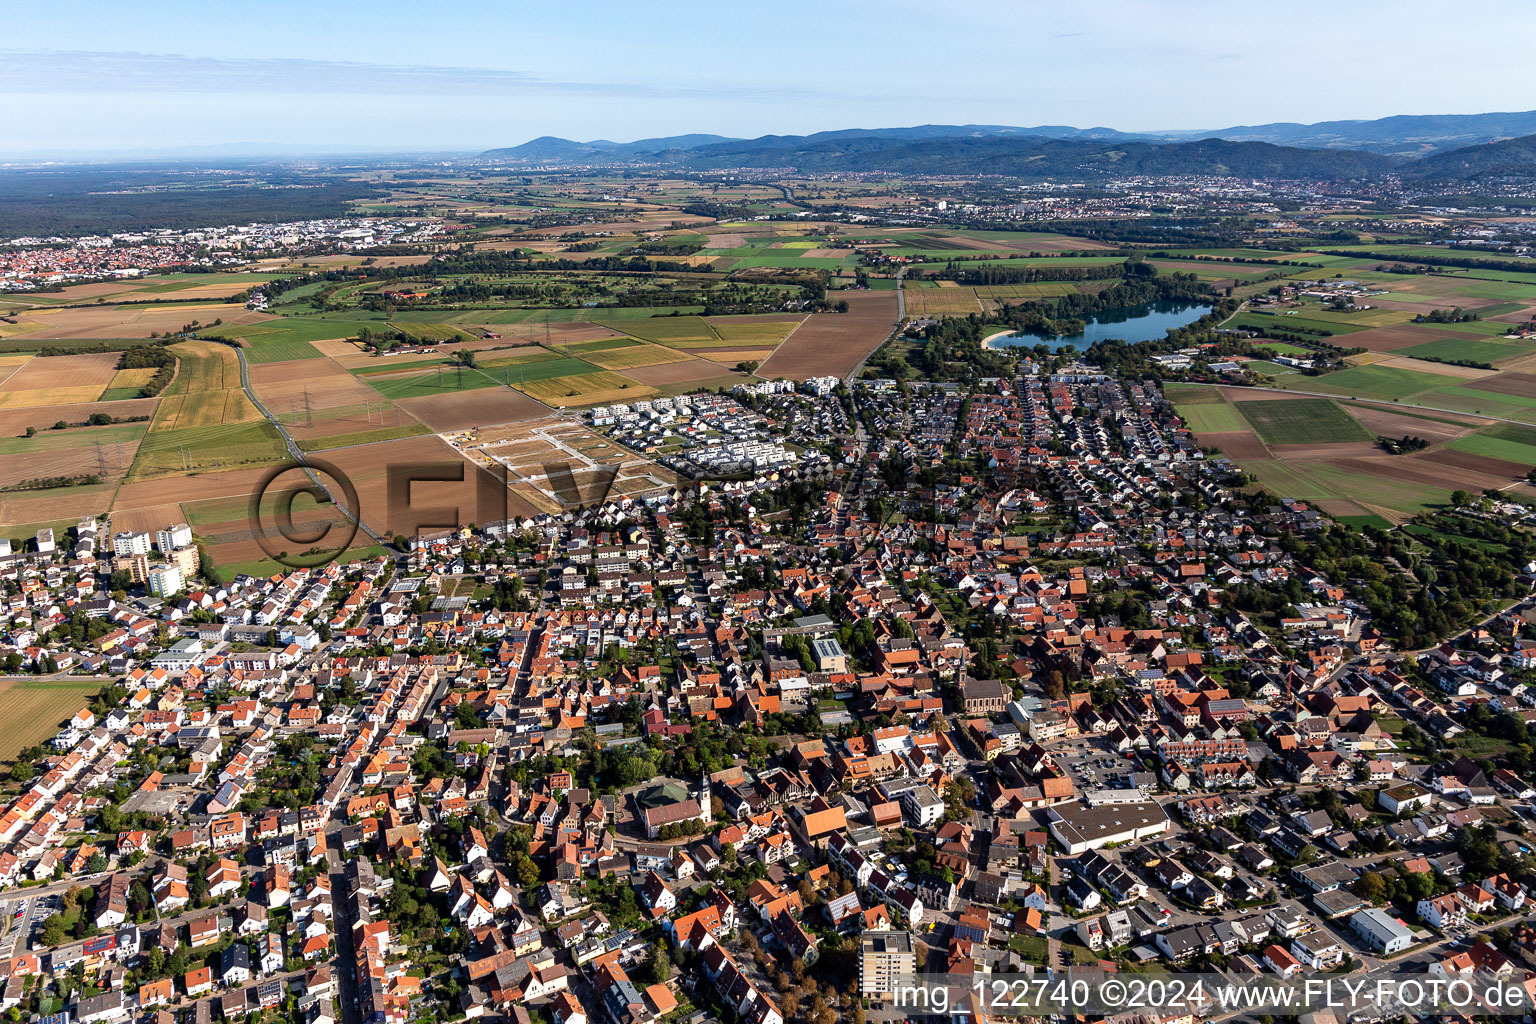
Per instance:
x=96, y=78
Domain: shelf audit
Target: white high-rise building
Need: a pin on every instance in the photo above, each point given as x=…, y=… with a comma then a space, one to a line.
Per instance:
x=129, y=543
x=165, y=580
x=173, y=537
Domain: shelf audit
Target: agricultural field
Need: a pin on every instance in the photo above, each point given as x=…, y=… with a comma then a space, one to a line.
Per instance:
x=676, y=331
x=36, y=708
x=583, y=389
x=320, y=404
x=834, y=344
x=1507, y=441
x=58, y=380
x=1492, y=351
x=431, y=382
x=204, y=420
x=1204, y=410
x=1301, y=421
x=1375, y=381
x=629, y=357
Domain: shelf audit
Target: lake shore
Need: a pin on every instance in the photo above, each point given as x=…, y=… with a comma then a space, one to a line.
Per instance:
x=987, y=341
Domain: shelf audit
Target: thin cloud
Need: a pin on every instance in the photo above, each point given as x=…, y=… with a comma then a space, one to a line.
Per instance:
x=45, y=71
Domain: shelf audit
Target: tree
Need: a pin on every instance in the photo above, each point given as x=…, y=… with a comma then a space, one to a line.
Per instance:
x=53, y=931
x=1372, y=888
x=1460, y=498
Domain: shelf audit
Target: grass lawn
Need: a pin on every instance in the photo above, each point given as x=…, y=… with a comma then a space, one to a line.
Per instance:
x=1304, y=421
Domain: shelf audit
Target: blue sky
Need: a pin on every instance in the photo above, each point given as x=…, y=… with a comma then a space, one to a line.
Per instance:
x=95, y=77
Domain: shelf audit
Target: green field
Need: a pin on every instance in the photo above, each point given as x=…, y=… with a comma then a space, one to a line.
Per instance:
x=263, y=351
x=220, y=446
x=1373, y=381
x=1303, y=421
x=540, y=367
x=1451, y=349
x=1297, y=324
x=431, y=331
x=318, y=444
x=1207, y=417
x=420, y=385
x=1191, y=394
x=291, y=329
x=1281, y=348
x=1507, y=441
x=672, y=330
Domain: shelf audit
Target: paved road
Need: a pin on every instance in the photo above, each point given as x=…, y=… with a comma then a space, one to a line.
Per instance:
x=297, y=453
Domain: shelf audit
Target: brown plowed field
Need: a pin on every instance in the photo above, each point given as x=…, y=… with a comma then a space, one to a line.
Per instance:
x=82, y=461
x=326, y=384
x=94, y=370
x=368, y=468
x=1444, y=369
x=16, y=421
x=832, y=344
x=149, y=517
x=1390, y=339
x=1521, y=384
x=231, y=483
x=481, y=407
x=137, y=322
x=1236, y=444
x=1501, y=468
x=1415, y=469
x=1347, y=449
x=1386, y=423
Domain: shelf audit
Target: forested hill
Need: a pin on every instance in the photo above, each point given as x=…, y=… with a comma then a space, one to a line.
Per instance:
x=1035, y=157
x=1511, y=158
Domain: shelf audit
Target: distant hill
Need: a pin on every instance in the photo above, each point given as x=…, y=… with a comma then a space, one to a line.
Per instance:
x=1511, y=158
x=550, y=149
x=1035, y=157
x=1405, y=135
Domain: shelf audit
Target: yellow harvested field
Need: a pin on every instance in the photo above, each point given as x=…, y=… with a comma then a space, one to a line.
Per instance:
x=37, y=398
x=206, y=391
x=96, y=369
x=732, y=356
x=35, y=708
x=587, y=389
x=134, y=378
x=751, y=333
x=135, y=321
x=631, y=356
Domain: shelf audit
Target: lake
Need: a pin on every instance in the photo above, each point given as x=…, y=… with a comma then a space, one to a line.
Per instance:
x=1132, y=324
